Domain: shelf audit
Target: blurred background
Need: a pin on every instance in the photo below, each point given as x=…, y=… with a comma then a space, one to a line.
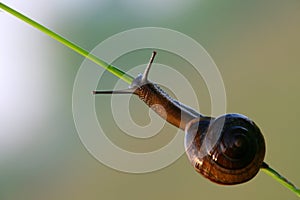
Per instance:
x=255, y=45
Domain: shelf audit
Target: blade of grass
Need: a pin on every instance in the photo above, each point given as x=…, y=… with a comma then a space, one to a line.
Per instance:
x=112, y=69
x=125, y=77
x=282, y=180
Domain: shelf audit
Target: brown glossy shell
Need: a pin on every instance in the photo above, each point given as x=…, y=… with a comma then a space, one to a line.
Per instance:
x=230, y=150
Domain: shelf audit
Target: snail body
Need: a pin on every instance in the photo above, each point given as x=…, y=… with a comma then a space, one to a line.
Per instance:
x=227, y=150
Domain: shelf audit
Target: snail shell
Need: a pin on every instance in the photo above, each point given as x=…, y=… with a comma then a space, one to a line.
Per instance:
x=228, y=150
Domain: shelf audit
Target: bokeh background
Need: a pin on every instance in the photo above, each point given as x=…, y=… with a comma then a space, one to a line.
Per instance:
x=255, y=45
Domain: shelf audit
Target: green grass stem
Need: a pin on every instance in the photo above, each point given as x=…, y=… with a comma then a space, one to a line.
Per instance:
x=117, y=72
x=282, y=180
x=125, y=77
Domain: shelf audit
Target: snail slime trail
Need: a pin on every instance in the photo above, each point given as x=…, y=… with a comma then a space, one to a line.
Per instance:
x=234, y=156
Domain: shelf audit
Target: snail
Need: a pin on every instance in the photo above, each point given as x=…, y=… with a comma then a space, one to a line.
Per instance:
x=227, y=150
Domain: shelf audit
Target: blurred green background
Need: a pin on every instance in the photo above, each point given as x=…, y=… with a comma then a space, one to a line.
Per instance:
x=255, y=45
